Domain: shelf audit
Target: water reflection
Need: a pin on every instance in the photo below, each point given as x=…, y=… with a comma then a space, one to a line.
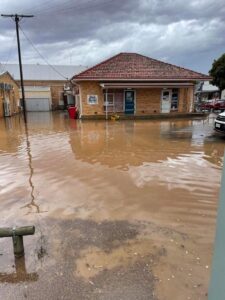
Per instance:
x=214, y=151
x=32, y=204
x=132, y=143
x=165, y=173
x=176, y=130
x=78, y=162
x=9, y=141
x=45, y=119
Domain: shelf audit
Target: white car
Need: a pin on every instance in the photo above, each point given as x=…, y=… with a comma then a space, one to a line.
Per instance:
x=220, y=122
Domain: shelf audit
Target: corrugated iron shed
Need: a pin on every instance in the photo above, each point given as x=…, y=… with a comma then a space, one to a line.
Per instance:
x=42, y=72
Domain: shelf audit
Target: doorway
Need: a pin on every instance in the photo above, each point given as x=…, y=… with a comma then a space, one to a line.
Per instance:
x=166, y=101
x=129, y=102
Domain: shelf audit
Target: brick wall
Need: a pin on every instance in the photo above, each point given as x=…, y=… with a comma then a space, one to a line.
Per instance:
x=57, y=95
x=191, y=99
x=91, y=88
x=13, y=95
x=186, y=99
x=148, y=101
x=1, y=105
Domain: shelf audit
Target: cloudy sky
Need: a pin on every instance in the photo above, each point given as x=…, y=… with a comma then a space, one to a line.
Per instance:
x=187, y=33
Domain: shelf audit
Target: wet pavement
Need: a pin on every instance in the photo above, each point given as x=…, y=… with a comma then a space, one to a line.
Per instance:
x=123, y=210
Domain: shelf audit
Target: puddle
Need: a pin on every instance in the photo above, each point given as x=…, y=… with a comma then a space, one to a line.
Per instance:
x=123, y=210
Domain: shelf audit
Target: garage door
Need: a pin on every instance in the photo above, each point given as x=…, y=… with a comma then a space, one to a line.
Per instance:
x=37, y=104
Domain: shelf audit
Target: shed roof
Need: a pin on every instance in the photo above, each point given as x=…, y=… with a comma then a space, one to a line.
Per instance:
x=133, y=66
x=43, y=72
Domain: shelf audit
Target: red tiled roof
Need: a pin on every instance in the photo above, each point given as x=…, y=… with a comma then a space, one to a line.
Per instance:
x=132, y=66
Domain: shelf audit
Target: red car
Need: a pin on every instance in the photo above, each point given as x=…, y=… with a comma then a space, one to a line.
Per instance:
x=209, y=105
x=213, y=105
x=219, y=105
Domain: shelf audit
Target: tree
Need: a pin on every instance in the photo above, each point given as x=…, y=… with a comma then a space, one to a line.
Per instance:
x=218, y=73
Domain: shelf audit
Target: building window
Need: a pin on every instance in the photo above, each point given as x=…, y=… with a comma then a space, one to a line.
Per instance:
x=174, y=99
x=109, y=102
x=110, y=98
x=92, y=99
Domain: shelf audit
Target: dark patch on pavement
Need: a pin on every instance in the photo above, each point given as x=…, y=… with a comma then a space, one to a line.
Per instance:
x=105, y=235
x=134, y=281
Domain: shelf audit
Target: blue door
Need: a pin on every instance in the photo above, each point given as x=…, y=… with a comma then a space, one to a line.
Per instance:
x=129, y=102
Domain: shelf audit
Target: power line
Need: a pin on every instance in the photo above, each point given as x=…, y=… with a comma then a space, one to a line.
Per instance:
x=58, y=7
x=77, y=7
x=17, y=18
x=45, y=7
x=40, y=5
x=46, y=61
x=9, y=53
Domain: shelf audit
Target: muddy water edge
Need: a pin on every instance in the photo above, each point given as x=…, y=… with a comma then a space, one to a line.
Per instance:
x=123, y=210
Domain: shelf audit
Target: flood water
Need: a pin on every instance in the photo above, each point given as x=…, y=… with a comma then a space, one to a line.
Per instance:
x=122, y=210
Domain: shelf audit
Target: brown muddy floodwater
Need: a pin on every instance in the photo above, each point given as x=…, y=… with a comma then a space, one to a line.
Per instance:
x=123, y=210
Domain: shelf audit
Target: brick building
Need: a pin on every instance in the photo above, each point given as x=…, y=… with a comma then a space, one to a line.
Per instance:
x=46, y=88
x=9, y=95
x=136, y=85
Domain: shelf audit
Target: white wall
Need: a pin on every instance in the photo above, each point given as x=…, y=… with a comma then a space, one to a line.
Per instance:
x=223, y=94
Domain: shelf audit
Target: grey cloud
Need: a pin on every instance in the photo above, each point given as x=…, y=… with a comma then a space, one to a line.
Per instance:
x=187, y=33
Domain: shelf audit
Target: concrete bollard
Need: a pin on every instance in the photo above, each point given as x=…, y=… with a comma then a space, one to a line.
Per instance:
x=17, y=234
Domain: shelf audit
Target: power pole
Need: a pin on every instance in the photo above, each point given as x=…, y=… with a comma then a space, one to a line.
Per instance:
x=17, y=18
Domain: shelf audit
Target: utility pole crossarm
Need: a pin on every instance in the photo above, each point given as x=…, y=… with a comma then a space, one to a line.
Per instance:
x=20, y=16
x=8, y=16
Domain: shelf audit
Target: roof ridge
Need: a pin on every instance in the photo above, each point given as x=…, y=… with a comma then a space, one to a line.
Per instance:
x=144, y=60
x=169, y=64
x=7, y=72
x=98, y=64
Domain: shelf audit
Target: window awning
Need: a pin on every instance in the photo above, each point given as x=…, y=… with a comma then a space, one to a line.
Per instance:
x=131, y=85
